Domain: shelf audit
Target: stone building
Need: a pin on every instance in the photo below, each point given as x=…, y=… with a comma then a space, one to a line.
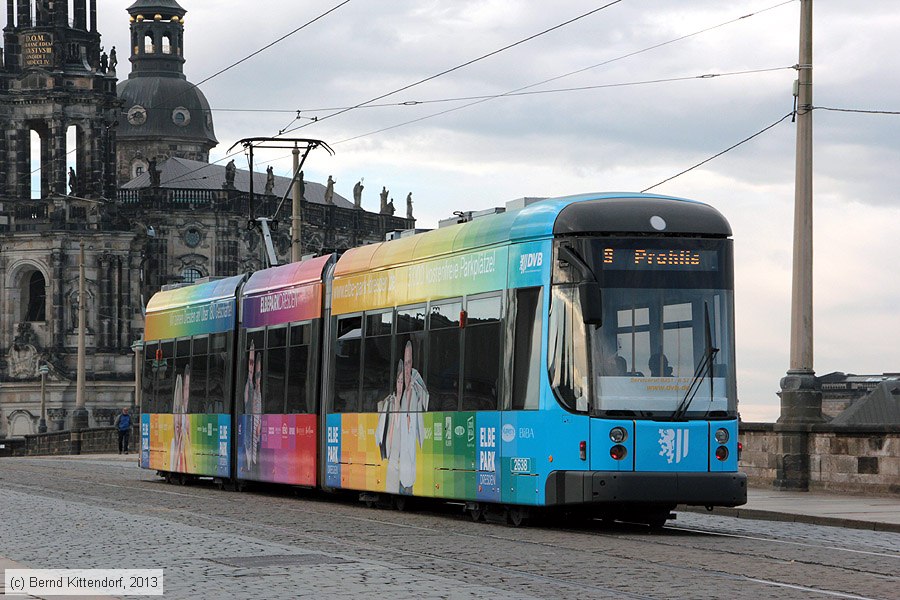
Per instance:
x=58, y=92
x=840, y=391
x=200, y=228
x=58, y=103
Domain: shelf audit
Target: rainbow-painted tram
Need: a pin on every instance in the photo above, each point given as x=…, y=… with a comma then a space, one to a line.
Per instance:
x=575, y=353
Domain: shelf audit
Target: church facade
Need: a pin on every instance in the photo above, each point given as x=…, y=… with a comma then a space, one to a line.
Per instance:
x=76, y=155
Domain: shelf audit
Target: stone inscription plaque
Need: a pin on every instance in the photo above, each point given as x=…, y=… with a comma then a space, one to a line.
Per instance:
x=37, y=50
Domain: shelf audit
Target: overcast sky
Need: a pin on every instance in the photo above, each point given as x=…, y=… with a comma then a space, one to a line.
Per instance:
x=624, y=138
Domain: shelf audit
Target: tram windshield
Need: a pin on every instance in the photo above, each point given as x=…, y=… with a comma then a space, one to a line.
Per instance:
x=665, y=348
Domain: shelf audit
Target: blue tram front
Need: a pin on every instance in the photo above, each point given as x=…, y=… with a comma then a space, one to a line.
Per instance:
x=641, y=348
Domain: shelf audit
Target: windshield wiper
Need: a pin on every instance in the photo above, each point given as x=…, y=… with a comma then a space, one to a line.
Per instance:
x=704, y=368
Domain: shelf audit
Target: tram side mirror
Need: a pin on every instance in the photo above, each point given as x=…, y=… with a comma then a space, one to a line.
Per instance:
x=591, y=303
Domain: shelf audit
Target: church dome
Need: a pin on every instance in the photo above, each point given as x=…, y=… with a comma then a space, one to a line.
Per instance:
x=164, y=107
x=158, y=103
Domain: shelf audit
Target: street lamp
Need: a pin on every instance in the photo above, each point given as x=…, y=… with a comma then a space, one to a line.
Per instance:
x=43, y=370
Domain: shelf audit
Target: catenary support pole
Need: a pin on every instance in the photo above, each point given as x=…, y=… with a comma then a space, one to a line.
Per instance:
x=801, y=399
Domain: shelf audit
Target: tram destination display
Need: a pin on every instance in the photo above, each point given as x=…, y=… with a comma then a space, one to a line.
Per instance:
x=660, y=259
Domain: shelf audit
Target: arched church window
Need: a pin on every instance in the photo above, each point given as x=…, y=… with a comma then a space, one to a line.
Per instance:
x=191, y=275
x=149, y=46
x=167, y=43
x=35, y=304
x=138, y=167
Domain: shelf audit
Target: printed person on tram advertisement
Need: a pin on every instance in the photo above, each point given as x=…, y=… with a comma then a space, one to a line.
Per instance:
x=181, y=438
x=257, y=411
x=412, y=421
x=249, y=433
x=388, y=432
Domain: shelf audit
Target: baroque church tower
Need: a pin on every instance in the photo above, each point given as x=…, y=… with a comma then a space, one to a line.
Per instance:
x=58, y=116
x=163, y=115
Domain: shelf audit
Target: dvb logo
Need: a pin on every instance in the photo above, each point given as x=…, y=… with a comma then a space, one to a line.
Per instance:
x=673, y=444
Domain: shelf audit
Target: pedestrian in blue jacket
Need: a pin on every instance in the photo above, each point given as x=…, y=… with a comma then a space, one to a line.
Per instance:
x=123, y=424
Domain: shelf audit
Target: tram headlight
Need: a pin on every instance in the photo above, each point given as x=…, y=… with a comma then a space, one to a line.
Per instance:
x=722, y=436
x=722, y=453
x=618, y=435
x=618, y=452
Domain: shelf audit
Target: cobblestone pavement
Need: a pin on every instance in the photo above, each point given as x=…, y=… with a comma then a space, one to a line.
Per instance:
x=105, y=513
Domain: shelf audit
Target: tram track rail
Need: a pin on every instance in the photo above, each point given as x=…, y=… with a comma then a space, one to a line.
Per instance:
x=672, y=527
x=637, y=536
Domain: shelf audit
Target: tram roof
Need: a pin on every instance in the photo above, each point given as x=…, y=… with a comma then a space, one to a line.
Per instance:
x=206, y=292
x=595, y=212
x=285, y=276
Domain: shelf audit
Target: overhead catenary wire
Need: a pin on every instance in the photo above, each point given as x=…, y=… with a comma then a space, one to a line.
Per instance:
x=514, y=94
x=765, y=129
x=460, y=66
x=659, y=45
x=827, y=108
x=479, y=99
x=570, y=73
x=564, y=90
x=717, y=155
x=857, y=110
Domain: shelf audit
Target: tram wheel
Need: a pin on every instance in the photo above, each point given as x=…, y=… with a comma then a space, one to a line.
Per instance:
x=517, y=516
x=477, y=513
x=656, y=520
x=401, y=503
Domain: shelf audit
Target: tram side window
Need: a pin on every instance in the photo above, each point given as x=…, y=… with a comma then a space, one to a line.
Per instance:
x=526, y=349
x=196, y=386
x=217, y=399
x=377, y=367
x=347, y=353
x=298, y=361
x=165, y=376
x=443, y=356
x=252, y=374
x=567, y=349
x=482, y=345
x=276, y=369
x=181, y=392
x=148, y=379
x=409, y=345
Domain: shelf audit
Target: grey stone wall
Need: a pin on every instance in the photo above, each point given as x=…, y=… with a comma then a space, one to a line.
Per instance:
x=99, y=440
x=840, y=459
